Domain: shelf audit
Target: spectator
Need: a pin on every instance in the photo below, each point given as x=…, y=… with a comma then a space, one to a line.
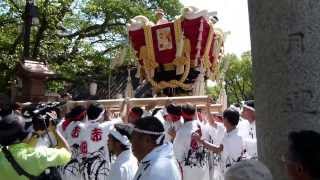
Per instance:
x=302, y=160
x=248, y=170
x=43, y=127
x=33, y=161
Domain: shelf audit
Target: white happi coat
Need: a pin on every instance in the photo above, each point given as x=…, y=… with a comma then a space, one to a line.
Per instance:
x=125, y=166
x=90, y=154
x=168, y=125
x=159, y=164
x=215, y=135
x=96, y=159
x=172, y=125
x=192, y=156
x=232, y=149
x=72, y=170
x=247, y=131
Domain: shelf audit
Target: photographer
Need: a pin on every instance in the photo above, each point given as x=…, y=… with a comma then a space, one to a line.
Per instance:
x=21, y=161
x=43, y=118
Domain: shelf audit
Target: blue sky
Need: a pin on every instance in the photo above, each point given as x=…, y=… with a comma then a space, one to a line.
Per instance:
x=233, y=16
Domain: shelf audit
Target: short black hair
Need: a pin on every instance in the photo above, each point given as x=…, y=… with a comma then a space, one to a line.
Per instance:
x=75, y=112
x=137, y=110
x=188, y=109
x=40, y=121
x=123, y=133
x=173, y=109
x=150, y=123
x=94, y=110
x=304, y=147
x=232, y=116
x=12, y=128
x=238, y=105
x=249, y=103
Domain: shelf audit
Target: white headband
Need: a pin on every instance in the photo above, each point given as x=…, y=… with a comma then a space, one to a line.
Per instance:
x=147, y=132
x=123, y=139
x=248, y=107
x=162, y=134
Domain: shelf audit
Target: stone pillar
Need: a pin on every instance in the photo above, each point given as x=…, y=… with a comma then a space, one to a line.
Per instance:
x=285, y=37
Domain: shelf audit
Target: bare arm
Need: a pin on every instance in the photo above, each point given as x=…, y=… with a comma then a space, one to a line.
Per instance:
x=211, y=147
x=208, y=108
x=62, y=143
x=124, y=110
x=172, y=132
x=211, y=118
x=208, y=145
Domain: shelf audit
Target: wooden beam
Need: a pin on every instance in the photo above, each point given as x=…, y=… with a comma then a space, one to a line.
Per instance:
x=160, y=101
x=200, y=101
x=213, y=107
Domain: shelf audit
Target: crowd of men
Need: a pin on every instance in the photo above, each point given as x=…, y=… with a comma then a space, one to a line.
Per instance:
x=175, y=142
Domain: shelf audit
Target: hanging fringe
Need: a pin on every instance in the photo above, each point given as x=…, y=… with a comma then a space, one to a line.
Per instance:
x=129, y=88
x=223, y=99
x=199, y=85
x=198, y=47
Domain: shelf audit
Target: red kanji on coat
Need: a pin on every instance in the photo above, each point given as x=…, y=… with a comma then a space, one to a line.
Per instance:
x=194, y=144
x=96, y=134
x=75, y=132
x=83, y=147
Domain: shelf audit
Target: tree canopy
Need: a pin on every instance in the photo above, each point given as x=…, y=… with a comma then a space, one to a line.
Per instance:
x=76, y=37
x=238, y=79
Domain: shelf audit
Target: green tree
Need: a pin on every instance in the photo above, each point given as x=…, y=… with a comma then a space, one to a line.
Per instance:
x=78, y=38
x=214, y=91
x=238, y=78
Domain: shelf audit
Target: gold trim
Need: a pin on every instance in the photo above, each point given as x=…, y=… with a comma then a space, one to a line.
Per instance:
x=177, y=31
x=174, y=83
x=149, y=60
x=206, y=60
x=169, y=67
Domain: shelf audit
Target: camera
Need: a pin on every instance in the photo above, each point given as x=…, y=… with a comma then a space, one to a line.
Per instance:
x=42, y=114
